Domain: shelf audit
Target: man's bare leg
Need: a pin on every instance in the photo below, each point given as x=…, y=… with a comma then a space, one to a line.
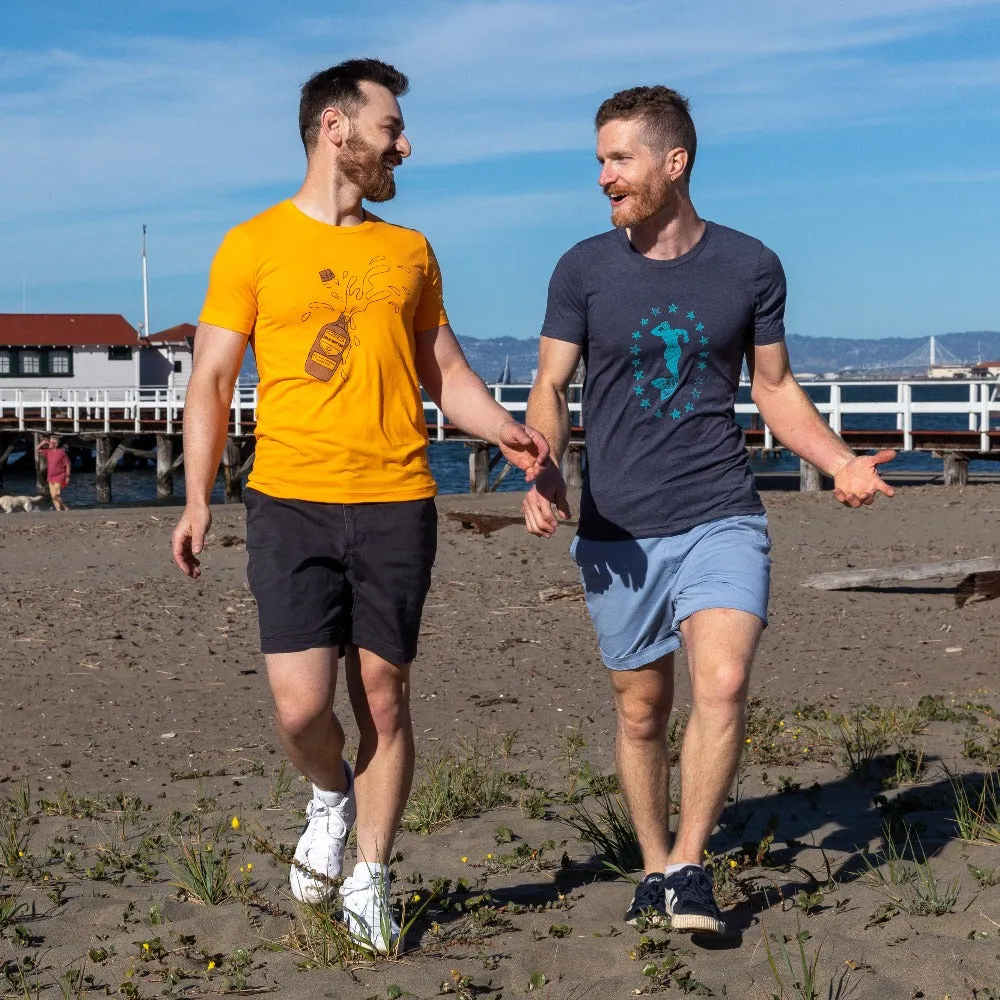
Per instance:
x=380, y=697
x=643, y=698
x=303, y=685
x=720, y=644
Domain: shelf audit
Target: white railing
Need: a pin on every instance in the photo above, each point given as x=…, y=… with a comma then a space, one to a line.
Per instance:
x=73, y=410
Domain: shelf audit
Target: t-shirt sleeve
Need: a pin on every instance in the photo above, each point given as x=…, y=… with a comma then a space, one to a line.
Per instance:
x=769, y=299
x=231, y=300
x=566, y=311
x=430, y=314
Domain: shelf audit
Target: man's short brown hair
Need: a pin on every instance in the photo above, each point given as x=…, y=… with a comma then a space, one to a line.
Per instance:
x=665, y=116
x=339, y=86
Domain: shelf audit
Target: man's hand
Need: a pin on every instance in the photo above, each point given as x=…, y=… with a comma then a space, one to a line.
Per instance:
x=857, y=481
x=548, y=492
x=189, y=538
x=524, y=447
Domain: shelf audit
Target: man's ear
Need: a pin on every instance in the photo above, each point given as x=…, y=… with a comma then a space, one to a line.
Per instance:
x=335, y=126
x=676, y=162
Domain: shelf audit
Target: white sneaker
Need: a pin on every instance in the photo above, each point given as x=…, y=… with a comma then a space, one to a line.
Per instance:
x=366, y=908
x=319, y=855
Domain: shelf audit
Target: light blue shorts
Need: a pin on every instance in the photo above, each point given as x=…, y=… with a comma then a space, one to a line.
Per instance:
x=639, y=590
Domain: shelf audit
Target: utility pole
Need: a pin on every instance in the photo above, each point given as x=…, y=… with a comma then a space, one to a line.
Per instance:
x=145, y=314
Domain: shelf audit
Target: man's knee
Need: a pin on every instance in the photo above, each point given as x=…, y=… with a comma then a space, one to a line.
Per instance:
x=722, y=684
x=296, y=717
x=642, y=719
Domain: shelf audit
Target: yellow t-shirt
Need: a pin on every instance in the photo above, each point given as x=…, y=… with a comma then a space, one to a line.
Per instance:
x=331, y=313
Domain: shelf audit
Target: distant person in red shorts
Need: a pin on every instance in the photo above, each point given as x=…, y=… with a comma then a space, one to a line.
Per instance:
x=56, y=470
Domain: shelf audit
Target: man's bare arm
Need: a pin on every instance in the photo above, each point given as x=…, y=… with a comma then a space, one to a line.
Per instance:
x=798, y=425
x=548, y=410
x=445, y=374
x=218, y=354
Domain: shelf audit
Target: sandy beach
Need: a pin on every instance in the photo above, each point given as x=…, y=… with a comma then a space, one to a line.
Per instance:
x=137, y=733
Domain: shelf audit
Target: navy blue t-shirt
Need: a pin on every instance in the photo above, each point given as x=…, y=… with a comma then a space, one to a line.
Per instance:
x=663, y=342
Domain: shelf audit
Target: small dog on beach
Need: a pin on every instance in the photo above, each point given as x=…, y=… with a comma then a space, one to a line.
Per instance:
x=9, y=504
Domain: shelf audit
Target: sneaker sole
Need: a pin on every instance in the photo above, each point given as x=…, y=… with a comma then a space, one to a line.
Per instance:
x=697, y=922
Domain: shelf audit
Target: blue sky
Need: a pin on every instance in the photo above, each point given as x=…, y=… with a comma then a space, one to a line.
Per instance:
x=860, y=140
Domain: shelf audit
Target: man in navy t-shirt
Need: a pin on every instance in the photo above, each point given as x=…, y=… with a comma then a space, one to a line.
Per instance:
x=672, y=541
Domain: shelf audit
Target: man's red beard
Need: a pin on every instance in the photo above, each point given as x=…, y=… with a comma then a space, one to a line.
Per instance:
x=642, y=202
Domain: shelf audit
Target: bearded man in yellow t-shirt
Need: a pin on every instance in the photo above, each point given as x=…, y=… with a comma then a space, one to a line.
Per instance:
x=346, y=319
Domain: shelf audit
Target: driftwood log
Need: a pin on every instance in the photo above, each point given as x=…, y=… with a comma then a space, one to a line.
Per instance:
x=847, y=579
x=484, y=523
x=984, y=586
x=572, y=590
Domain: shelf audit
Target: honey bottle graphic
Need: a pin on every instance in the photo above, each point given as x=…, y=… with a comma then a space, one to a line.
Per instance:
x=329, y=350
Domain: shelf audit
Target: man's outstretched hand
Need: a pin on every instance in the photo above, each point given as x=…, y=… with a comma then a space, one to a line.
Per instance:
x=189, y=538
x=548, y=492
x=857, y=481
x=524, y=447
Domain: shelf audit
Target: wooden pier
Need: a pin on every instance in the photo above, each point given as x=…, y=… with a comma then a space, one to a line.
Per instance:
x=120, y=425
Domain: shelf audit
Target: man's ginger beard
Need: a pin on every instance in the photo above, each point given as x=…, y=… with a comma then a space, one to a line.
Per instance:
x=363, y=165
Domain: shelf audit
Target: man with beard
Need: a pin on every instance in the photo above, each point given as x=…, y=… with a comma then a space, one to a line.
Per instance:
x=672, y=541
x=345, y=316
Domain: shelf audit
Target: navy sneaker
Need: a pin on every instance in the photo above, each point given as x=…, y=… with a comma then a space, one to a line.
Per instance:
x=649, y=902
x=690, y=901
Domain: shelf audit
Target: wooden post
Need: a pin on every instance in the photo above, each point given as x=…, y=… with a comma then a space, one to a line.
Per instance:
x=164, y=466
x=102, y=469
x=572, y=466
x=810, y=478
x=41, y=466
x=479, y=468
x=231, y=472
x=956, y=469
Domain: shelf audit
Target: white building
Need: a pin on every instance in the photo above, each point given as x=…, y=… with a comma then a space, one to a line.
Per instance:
x=60, y=351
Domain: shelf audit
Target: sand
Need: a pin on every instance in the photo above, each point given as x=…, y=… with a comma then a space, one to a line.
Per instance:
x=137, y=724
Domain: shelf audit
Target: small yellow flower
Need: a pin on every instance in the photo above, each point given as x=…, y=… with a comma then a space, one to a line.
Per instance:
x=781, y=724
x=249, y=866
x=465, y=860
x=235, y=822
x=805, y=749
x=748, y=739
x=732, y=863
x=211, y=965
x=489, y=857
x=145, y=946
x=20, y=854
x=415, y=898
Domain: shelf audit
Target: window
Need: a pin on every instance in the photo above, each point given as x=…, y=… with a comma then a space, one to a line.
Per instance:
x=178, y=367
x=4, y=362
x=31, y=363
x=119, y=354
x=59, y=363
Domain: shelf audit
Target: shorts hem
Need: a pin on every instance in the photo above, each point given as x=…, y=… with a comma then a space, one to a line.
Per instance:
x=299, y=643
x=390, y=654
x=644, y=656
x=725, y=607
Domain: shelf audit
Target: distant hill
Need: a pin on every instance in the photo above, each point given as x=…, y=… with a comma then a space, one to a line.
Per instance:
x=833, y=354
x=815, y=355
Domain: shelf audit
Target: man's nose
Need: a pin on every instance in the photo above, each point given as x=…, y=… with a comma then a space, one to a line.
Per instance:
x=403, y=146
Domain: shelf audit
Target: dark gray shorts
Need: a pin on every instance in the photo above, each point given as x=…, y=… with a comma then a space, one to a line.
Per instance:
x=333, y=575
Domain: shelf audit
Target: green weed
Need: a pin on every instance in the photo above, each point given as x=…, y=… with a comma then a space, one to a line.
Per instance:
x=611, y=830
x=456, y=786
